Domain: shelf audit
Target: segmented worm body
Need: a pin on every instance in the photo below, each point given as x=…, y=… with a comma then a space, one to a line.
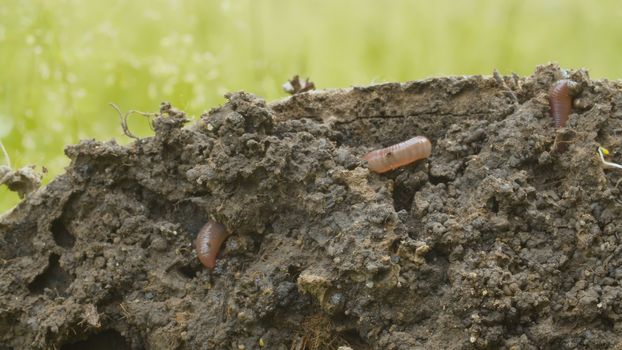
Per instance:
x=208, y=242
x=560, y=101
x=403, y=153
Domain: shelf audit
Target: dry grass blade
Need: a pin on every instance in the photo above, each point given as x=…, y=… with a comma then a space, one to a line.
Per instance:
x=6, y=155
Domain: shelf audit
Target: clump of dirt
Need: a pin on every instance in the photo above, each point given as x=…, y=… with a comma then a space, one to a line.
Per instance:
x=495, y=241
x=23, y=180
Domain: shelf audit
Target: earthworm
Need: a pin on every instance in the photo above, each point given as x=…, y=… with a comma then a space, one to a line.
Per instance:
x=208, y=242
x=560, y=101
x=385, y=159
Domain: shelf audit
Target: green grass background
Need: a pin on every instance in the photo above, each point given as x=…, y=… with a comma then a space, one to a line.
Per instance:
x=63, y=61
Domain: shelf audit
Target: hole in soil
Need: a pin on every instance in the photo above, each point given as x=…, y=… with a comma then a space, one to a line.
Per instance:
x=192, y=215
x=608, y=324
x=187, y=271
x=435, y=180
x=61, y=235
x=381, y=276
x=354, y=339
x=145, y=243
x=395, y=245
x=493, y=205
x=403, y=197
x=109, y=339
x=294, y=272
x=439, y=253
x=54, y=278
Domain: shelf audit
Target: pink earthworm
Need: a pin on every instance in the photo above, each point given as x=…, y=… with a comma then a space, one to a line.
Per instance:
x=208, y=242
x=560, y=101
x=403, y=153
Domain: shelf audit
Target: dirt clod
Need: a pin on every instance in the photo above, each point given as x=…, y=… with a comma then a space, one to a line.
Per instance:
x=24, y=180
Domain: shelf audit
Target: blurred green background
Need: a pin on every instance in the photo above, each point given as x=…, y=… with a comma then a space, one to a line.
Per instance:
x=62, y=62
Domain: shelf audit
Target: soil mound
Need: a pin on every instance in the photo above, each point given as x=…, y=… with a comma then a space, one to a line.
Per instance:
x=495, y=241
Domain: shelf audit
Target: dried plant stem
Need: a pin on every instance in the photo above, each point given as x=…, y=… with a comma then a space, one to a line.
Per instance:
x=6, y=155
x=123, y=119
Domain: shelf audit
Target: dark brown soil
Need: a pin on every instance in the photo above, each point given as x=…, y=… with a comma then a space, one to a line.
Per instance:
x=495, y=241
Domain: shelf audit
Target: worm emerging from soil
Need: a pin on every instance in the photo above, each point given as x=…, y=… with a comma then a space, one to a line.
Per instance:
x=560, y=101
x=403, y=153
x=208, y=242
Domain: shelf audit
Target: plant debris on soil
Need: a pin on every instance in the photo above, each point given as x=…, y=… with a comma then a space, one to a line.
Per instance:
x=294, y=86
x=494, y=242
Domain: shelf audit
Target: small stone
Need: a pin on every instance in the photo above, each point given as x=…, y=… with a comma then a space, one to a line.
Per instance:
x=335, y=303
x=159, y=244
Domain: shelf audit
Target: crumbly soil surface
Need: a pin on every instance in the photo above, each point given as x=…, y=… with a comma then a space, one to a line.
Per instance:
x=497, y=241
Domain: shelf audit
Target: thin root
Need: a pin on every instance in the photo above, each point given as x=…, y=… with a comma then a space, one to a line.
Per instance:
x=123, y=119
x=607, y=165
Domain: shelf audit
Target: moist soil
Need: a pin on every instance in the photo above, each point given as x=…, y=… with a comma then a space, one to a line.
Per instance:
x=497, y=241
